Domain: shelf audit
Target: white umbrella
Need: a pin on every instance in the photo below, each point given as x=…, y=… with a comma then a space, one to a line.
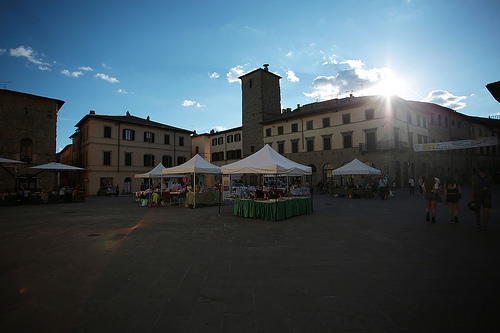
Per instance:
x=8, y=161
x=56, y=167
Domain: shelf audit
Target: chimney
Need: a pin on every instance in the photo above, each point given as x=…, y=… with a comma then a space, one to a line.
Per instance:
x=128, y=113
x=147, y=118
x=266, y=67
x=92, y=112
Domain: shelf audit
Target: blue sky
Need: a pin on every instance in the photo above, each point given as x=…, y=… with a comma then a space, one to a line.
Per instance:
x=178, y=62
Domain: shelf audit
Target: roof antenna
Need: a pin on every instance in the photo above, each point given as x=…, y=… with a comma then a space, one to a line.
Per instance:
x=5, y=83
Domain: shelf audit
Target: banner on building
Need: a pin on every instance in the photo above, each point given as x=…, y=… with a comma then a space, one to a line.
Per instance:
x=460, y=144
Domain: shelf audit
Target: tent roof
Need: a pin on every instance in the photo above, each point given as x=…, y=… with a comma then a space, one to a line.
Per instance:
x=154, y=173
x=56, y=166
x=197, y=164
x=355, y=167
x=266, y=161
x=9, y=161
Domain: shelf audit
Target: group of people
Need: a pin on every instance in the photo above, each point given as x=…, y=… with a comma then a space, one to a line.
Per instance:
x=480, y=198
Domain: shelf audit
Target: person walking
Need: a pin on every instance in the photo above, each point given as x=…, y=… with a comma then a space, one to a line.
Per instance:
x=452, y=194
x=411, y=183
x=430, y=195
x=481, y=194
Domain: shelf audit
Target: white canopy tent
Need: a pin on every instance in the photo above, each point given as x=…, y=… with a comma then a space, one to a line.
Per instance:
x=154, y=173
x=196, y=165
x=355, y=167
x=266, y=161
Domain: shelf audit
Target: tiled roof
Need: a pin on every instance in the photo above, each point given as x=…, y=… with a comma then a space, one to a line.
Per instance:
x=129, y=119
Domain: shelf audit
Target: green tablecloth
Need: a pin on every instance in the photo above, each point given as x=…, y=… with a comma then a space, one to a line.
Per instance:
x=272, y=210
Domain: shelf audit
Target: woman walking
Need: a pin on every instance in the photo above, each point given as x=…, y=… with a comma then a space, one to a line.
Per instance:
x=430, y=194
x=452, y=194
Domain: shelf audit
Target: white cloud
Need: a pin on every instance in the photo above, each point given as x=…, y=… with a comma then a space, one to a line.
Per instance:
x=107, y=78
x=71, y=74
x=188, y=103
x=3, y=51
x=214, y=75
x=289, y=54
x=31, y=56
x=218, y=128
x=354, y=79
x=86, y=68
x=290, y=76
x=121, y=91
x=234, y=74
x=446, y=99
x=106, y=66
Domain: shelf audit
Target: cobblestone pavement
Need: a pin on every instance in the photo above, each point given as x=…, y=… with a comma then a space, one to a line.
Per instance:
x=110, y=265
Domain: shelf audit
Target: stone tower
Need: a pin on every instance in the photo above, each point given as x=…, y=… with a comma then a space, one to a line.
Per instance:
x=261, y=101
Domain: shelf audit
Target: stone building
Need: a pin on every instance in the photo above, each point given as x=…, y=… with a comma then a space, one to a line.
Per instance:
x=219, y=148
x=112, y=149
x=28, y=126
x=378, y=130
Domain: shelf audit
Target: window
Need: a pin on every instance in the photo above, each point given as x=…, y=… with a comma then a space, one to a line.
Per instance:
x=166, y=160
x=26, y=150
x=128, y=159
x=281, y=147
x=181, y=160
x=347, y=140
x=237, y=137
x=252, y=149
x=295, y=127
x=309, y=125
x=280, y=130
x=326, y=122
x=149, y=137
x=409, y=117
x=310, y=144
x=107, y=131
x=327, y=142
x=218, y=156
x=295, y=146
x=419, y=123
x=425, y=122
x=220, y=140
x=371, y=140
x=369, y=114
x=106, y=158
x=128, y=134
x=166, y=139
x=229, y=138
x=346, y=118
x=149, y=160
x=268, y=132
x=214, y=142
x=439, y=120
x=181, y=141
x=234, y=154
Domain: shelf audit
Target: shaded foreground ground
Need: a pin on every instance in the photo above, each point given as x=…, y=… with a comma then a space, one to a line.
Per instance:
x=109, y=265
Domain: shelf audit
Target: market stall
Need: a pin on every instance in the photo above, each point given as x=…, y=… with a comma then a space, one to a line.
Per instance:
x=267, y=161
x=196, y=166
x=355, y=167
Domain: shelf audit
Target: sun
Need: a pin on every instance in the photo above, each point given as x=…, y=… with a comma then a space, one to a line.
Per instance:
x=390, y=85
